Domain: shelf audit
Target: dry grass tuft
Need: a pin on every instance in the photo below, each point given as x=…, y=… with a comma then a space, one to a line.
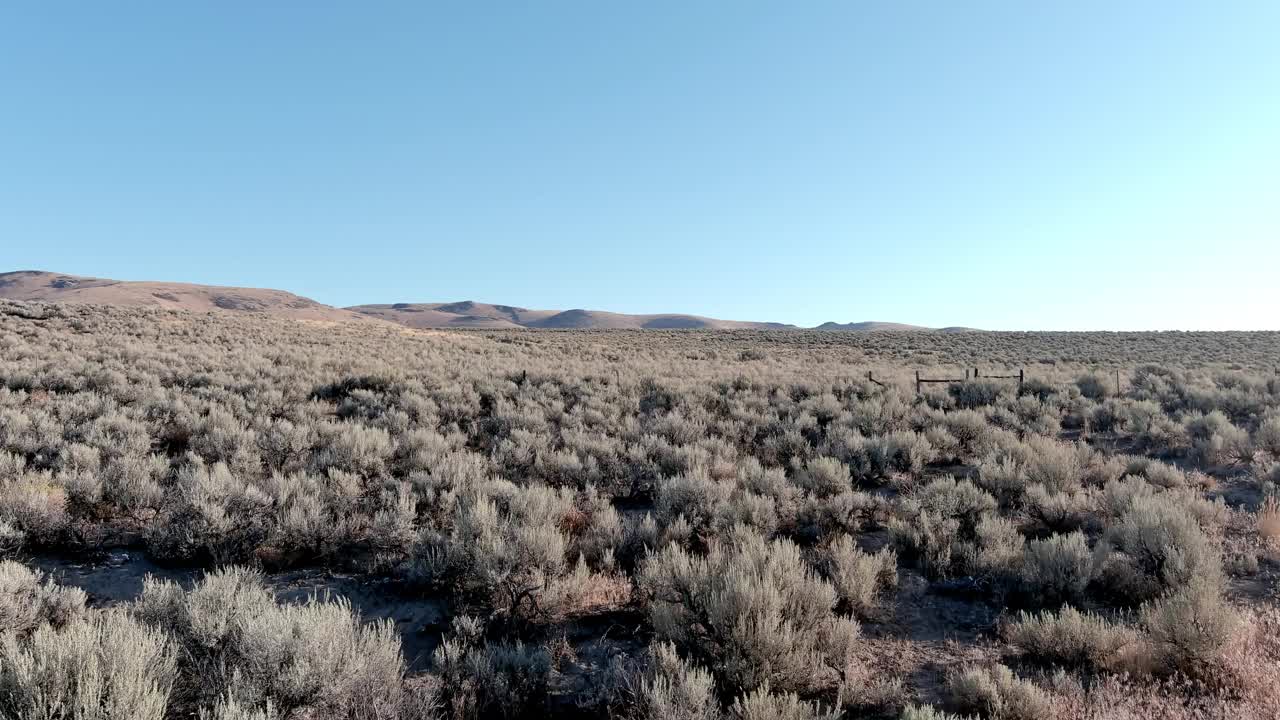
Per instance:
x=1269, y=518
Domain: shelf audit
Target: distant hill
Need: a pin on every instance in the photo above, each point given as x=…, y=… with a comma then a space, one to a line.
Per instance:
x=873, y=326
x=469, y=314
x=868, y=326
x=35, y=285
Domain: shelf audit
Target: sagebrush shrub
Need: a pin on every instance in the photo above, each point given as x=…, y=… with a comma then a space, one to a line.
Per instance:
x=701, y=500
x=761, y=704
x=951, y=528
x=1269, y=518
x=1151, y=428
x=1071, y=638
x=351, y=447
x=229, y=708
x=34, y=505
x=29, y=600
x=1094, y=386
x=970, y=430
x=1106, y=417
x=926, y=712
x=1036, y=417
x=235, y=638
x=1056, y=570
x=998, y=694
x=672, y=689
x=215, y=516
x=220, y=437
x=103, y=667
x=848, y=512
x=1189, y=627
x=313, y=517
x=977, y=393
x=507, y=551
x=899, y=453
x=754, y=611
x=1059, y=467
x=1158, y=473
x=1003, y=477
x=1267, y=436
x=12, y=539
x=1155, y=546
x=1215, y=440
x=479, y=679
x=1059, y=512
x=824, y=476
x=133, y=483
x=859, y=577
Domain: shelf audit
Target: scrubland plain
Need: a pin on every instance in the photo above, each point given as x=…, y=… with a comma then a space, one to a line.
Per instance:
x=634, y=524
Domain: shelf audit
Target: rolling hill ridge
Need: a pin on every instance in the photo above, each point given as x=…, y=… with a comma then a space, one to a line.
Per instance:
x=482, y=315
x=41, y=286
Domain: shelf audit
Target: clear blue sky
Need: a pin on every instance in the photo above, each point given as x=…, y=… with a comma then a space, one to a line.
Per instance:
x=1007, y=165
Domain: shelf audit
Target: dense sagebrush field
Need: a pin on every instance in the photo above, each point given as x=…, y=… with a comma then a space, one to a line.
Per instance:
x=649, y=525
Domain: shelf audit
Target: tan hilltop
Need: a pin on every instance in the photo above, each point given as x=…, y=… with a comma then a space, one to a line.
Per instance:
x=52, y=287
x=469, y=314
x=39, y=286
x=873, y=326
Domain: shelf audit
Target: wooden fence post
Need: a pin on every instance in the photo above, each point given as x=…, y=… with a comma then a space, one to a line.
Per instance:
x=917, y=382
x=1021, y=376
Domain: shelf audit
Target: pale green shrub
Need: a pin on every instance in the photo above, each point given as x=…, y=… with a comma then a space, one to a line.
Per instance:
x=1056, y=570
x=1215, y=441
x=1071, y=638
x=998, y=694
x=977, y=393
x=926, y=712
x=824, y=476
x=216, y=516
x=29, y=600
x=1189, y=627
x=478, y=679
x=1158, y=473
x=1004, y=478
x=698, y=498
x=1267, y=437
x=34, y=506
x=760, y=704
x=230, y=709
x=899, y=453
x=672, y=689
x=1058, y=512
x=950, y=528
x=1155, y=546
x=351, y=447
x=755, y=612
x=1095, y=386
x=317, y=656
x=101, y=668
x=506, y=550
x=859, y=578
x=11, y=539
